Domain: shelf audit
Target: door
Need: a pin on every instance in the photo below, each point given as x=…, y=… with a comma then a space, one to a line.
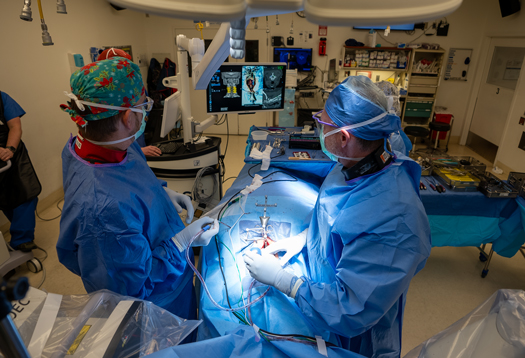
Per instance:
x=497, y=90
x=256, y=51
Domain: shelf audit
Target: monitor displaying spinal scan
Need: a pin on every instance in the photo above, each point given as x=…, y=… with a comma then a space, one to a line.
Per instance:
x=246, y=88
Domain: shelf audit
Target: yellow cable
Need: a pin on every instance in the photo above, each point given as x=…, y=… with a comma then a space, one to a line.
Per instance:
x=199, y=26
x=40, y=10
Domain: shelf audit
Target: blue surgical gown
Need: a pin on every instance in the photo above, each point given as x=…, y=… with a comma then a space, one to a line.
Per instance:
x=368, y=237
x=116, y=230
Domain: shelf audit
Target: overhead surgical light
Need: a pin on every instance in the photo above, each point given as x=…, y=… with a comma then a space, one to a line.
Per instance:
x=61, y=7
x=376, y=12
x=26, y=14
x=205, y=10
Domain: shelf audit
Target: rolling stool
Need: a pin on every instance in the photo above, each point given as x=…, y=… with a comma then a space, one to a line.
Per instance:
x=439, y=127
x=416, y=132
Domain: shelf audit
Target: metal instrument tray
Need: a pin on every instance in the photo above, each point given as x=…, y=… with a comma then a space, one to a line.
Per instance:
x=458, y=179
x=474, y=164
x=517, y=181
x=493, y=187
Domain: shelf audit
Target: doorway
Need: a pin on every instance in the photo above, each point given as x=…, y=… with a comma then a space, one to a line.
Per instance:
x=496, y=92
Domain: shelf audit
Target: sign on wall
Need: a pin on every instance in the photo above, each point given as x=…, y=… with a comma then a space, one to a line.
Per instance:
x=458, y=62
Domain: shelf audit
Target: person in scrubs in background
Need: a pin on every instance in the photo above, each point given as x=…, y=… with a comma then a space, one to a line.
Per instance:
x=369, y=233
x=119, y=228
x=19, y=185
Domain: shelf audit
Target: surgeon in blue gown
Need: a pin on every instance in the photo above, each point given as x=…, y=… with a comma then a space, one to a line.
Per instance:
x=369, y=234
x=120, y=229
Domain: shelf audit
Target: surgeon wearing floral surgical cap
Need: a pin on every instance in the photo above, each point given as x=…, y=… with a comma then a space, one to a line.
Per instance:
x=120, y=229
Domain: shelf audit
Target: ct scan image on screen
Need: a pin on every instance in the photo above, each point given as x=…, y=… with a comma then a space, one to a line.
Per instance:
x=247, y=88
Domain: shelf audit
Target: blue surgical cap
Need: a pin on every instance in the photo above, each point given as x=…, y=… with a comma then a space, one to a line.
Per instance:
x=358, y=99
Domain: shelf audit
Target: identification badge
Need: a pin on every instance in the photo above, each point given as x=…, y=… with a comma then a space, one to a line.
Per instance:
x=385, y=156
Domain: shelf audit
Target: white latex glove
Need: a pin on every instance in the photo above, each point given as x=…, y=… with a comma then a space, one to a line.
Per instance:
x=292, y=245
x=267, y=269
x=183, y=238
x=181, y=201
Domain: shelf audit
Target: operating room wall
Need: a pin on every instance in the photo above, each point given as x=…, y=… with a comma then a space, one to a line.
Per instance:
x=466, y=31
x=512, y=26
x=36, y=76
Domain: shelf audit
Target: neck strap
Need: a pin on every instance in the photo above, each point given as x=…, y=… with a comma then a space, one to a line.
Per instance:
x=372, y=163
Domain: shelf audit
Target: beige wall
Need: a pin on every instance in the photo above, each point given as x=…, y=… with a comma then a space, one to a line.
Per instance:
x=36, y=76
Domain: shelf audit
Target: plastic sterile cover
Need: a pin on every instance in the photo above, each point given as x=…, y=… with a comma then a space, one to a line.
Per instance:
x=101, y=324
x=494, y=329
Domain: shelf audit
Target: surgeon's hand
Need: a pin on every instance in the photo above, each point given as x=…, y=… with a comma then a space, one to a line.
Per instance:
x=182, y=239
x=151, y=151
x=267, y=269
x=291, y=245
x=181, y=201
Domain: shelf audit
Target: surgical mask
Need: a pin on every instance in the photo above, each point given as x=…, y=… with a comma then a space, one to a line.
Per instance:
x=331, y=155
x=135, y=136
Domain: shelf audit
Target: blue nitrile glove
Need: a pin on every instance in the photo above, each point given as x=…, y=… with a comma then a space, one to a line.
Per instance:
x=181, y=201
x=267, y=269
x=292, y=245
x=183, y=238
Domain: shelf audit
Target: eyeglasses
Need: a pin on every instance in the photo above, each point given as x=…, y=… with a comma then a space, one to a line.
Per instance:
x=148, y=102
x=317, y=117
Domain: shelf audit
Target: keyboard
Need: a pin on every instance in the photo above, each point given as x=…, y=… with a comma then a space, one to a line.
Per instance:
x=170, y=148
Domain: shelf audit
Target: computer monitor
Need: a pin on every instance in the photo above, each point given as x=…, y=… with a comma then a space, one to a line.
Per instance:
x=331, y=71
x=246, y=88
x=171, y=114
x=407, y=27
x=296, y=58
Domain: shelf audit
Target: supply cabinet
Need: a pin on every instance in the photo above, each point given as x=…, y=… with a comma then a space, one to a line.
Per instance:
x=423, y=83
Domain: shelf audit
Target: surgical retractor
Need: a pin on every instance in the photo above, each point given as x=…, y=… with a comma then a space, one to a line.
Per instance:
x=264, y=219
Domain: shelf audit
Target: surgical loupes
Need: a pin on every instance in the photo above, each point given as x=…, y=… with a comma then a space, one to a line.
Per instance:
x=264, y=219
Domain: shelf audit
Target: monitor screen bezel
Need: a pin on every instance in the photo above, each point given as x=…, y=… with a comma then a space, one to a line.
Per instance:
x=240, y=64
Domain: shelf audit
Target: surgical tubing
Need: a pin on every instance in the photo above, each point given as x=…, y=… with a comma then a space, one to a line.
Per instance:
x=206, y=287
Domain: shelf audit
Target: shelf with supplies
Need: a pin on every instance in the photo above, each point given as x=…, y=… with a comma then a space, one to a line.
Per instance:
x=424, y=78
x=377, y=63
x=375, y=58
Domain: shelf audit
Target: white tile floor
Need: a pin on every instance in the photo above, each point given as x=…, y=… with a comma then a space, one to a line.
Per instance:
x=448, y=288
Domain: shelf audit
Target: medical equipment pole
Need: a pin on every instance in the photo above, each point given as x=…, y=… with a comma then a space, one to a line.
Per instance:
x=183, y=81
x=11, y=344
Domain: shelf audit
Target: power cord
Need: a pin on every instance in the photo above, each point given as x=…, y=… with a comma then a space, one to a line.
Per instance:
x=59, y=208
x=391, y=43
x=204, y=199
x=424, y=32
x=225, y=180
